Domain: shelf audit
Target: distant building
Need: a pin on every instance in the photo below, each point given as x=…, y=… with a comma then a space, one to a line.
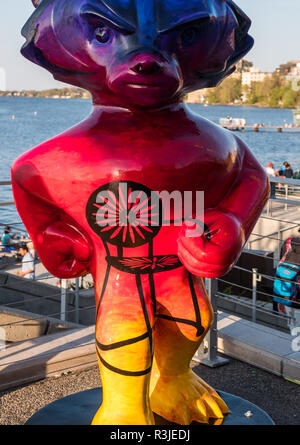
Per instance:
x=254, y=75
x=2, y=79
x=248, y=74
x=243, y=66
x=287, y=68
x=294, y=73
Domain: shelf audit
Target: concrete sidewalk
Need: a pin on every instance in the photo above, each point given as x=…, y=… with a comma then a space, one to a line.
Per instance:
x=38, y=358
x=53, y=354
x=259, y=345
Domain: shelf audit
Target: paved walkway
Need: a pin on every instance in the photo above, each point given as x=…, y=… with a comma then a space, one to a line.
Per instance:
x=278, y=397
x=267, y=348
x=46, y=356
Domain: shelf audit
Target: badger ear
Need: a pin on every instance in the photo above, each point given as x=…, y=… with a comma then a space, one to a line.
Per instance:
x=36, y=3
x=243, y=42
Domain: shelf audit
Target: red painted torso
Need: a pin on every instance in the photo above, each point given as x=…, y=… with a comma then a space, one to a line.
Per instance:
x=180, y=154
x=171, y=151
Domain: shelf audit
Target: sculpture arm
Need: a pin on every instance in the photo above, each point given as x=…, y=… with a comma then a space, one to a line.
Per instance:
x=230, y=223
x=250, y=193
x=62, y=248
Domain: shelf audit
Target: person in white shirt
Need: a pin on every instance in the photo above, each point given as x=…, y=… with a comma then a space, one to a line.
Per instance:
x=270, y=169
x=28, y=267
x=31, y=249
x=271, y=172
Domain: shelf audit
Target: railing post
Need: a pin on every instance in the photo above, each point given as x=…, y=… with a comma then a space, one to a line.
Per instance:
x=63, y=300
x=77, y=300
x=254, y=293
x=256, y=278
x=211, y=358
x=279, y=244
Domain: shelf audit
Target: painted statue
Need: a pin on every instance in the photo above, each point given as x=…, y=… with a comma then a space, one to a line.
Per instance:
x=91, y=199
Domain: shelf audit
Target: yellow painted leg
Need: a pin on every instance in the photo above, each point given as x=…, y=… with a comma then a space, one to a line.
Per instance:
x=124, y=347
x=125, y=400
x=176, y=392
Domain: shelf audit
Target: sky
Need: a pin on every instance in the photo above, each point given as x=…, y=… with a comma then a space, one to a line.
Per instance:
x=275, y=27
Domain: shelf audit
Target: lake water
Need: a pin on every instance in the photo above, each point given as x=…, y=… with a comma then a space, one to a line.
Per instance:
x=37, y=120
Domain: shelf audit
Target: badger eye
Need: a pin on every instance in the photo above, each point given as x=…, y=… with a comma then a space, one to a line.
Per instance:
x=103, y=35
x=189, y=36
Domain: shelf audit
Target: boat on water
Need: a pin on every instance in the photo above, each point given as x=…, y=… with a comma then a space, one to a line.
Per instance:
x=232, y=123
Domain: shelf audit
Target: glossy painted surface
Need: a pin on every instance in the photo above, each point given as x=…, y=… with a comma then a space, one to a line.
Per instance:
x=74, y=191
x=145, y=52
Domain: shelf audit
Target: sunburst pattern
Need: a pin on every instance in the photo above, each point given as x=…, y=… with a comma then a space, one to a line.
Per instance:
x=125, y=214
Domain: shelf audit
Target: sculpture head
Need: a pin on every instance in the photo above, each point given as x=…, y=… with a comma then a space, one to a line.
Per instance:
x=137, y=53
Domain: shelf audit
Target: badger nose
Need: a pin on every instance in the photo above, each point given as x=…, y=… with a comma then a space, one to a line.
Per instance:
x=146, y=65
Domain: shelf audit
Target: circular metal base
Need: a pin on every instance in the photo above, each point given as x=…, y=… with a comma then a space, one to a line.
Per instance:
x=80, y=408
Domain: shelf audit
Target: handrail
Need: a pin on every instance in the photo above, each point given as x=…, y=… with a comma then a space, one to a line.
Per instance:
x=284, y=229
x=5, y=182
x=287, y=183
x=8, y=203
x=281, y=180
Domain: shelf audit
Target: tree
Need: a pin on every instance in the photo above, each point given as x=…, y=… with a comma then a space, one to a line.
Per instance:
x=274, y=91
x=228, y=92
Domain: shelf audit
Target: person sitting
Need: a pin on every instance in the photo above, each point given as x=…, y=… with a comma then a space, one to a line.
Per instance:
x=31, y=249
x=6, y=241
x=28, y=266
x=288, y=172
x=270, y=169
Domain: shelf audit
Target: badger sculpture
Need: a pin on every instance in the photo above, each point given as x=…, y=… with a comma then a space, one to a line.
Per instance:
x=92, y=201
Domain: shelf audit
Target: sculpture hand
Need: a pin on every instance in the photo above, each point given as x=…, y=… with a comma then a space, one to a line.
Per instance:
x=212, y=255
x=64, y=250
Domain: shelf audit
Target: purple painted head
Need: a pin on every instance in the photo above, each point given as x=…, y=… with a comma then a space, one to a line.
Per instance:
x=142, y=53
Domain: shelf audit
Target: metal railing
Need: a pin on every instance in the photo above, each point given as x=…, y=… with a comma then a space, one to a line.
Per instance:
x=286, y=193
x=209, y=354
x=18, y=226
x=283, y=191
x=64, y=286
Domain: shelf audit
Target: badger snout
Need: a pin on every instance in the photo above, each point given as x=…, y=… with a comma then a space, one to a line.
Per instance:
x=146, y=64
x=145, y=79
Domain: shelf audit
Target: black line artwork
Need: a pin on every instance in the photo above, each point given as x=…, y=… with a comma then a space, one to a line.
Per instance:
x=127, y=214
